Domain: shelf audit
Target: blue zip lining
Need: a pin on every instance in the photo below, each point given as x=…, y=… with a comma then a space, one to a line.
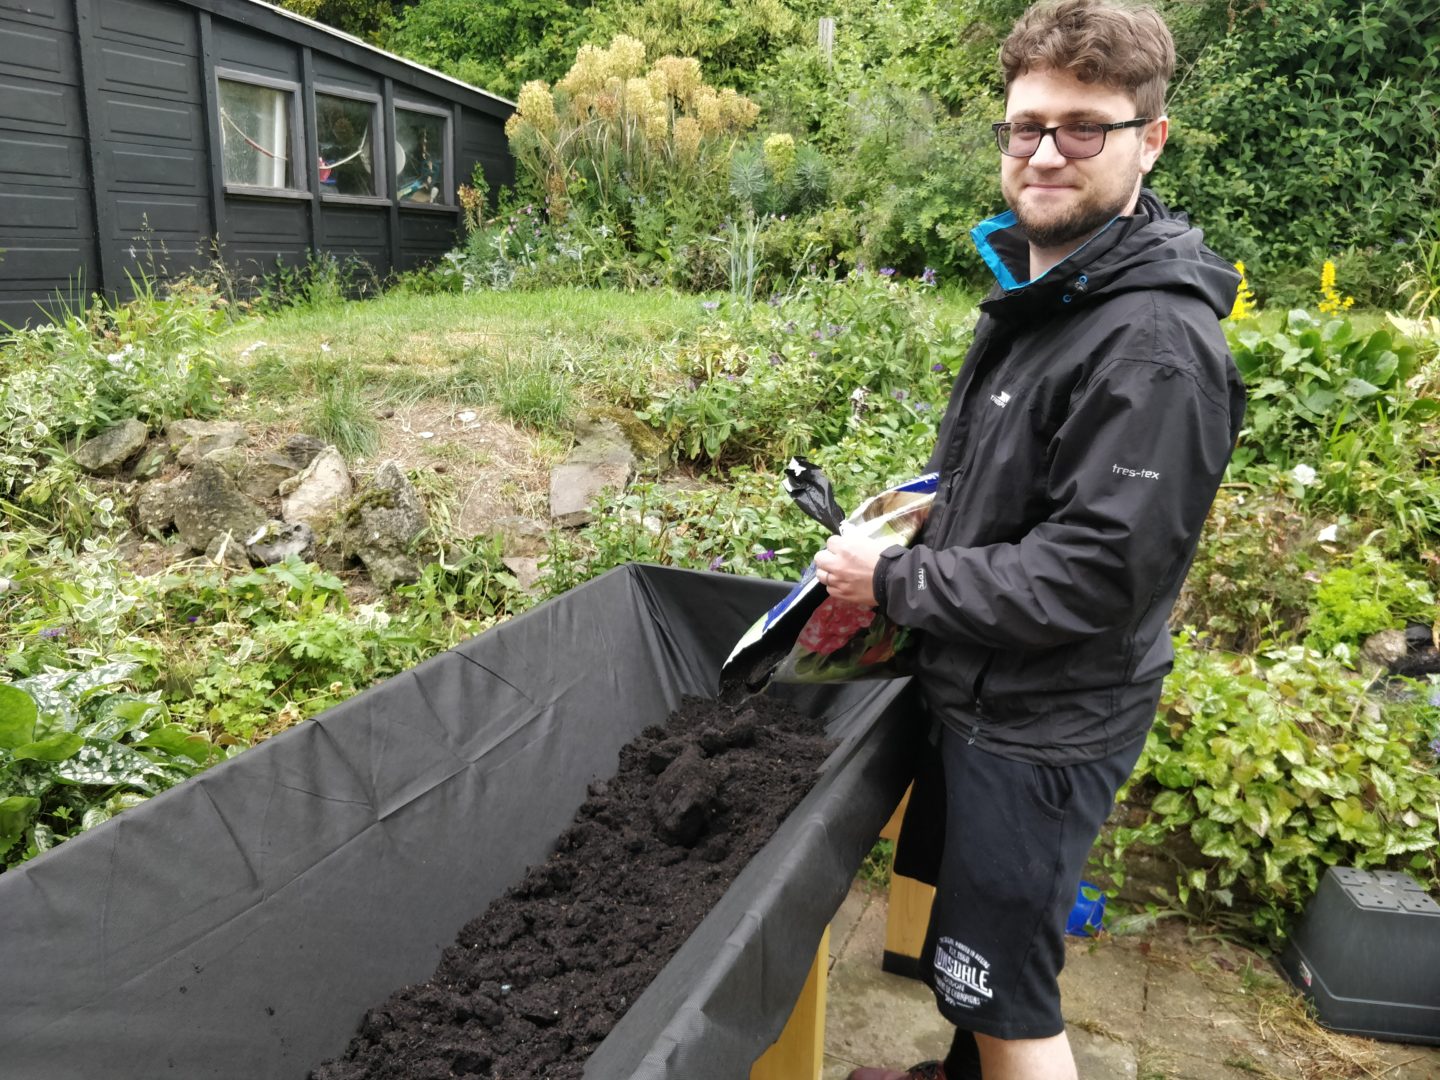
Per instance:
x=981, y=234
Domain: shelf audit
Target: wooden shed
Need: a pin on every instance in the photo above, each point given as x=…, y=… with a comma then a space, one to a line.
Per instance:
x=141, y=134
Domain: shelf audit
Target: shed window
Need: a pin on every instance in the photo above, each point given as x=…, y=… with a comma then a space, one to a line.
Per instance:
x=255, y=127
x=421, y=155
x=346, y=128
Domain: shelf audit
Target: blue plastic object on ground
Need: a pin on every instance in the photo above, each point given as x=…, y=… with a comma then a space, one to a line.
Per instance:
x=1088, y=913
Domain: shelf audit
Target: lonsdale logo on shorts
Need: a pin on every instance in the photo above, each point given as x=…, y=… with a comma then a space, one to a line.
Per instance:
x=961, y=973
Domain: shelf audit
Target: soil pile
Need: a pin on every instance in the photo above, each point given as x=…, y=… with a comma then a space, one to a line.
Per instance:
x=532, y=985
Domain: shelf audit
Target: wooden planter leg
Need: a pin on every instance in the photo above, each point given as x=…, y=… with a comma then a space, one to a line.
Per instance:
x=799, y=1052
x=908, y=914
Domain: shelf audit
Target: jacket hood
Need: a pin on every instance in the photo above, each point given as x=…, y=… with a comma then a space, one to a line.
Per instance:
x=1152, y=248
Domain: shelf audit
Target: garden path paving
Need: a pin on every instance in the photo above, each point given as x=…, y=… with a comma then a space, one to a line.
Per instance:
x=1167, y=1003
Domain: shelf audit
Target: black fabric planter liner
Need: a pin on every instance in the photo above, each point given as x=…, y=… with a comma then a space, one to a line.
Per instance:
x=239, y=925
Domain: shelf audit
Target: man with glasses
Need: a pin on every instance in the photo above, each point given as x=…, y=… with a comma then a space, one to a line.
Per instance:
x=1084, y=440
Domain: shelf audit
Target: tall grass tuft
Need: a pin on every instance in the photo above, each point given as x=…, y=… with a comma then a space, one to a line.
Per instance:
x=342, y=416
x=530, y=389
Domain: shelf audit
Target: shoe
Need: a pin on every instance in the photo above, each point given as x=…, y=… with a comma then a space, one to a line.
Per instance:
x=926, y=1070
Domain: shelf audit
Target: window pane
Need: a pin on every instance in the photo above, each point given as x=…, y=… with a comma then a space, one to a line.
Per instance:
x=255, y=134
x=347, y=145
x=420, y=157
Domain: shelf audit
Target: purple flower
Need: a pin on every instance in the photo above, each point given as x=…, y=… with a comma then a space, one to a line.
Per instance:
x=887, y=271
x=193, y=618
x=765, y=556
x=776, y=359
x=928, y=277
x=50, y=633
x=922, y=406
x=717, y=562
x=899, y=395
x=710, y=305
x=937, y=368
x=1435, y=747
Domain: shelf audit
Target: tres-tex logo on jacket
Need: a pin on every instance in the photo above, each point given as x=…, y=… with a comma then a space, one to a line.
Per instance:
x=1143, y=474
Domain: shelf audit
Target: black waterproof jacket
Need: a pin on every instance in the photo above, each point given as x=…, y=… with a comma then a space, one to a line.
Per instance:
x=1083, y=444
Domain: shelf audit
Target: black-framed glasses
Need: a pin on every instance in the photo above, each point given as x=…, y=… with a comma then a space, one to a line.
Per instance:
x=1081, y=140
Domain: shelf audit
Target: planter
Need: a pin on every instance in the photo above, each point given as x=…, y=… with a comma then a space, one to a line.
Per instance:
x=240, y=924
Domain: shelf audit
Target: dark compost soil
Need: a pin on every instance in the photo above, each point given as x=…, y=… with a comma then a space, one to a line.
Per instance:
x=533, y=984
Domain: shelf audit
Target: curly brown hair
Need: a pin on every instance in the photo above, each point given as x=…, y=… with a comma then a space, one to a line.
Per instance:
x=1118, y=46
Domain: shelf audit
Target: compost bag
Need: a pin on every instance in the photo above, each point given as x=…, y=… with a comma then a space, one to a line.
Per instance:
x=238, y=925
x=811, y=636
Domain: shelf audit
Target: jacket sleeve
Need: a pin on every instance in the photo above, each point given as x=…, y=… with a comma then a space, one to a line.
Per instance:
x=1133, y=470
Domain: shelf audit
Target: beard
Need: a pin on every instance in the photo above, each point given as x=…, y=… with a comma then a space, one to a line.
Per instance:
x=1078, y=225
x=1074, y=225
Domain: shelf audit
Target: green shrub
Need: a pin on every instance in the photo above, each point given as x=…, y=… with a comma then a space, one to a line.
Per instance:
x=1304, y=127
x=152, y=359
x=1275, y=767
x=1312, y=376
x=768, y=381
x=732, y=41
x=613, y=134
x=494, y=46
x=1370, y=593
x=1248, y=584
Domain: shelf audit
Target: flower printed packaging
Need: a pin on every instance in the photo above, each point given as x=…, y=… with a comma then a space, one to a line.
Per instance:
x=810, y=636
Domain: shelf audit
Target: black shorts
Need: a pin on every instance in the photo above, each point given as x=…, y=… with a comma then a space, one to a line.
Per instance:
x=1017, y=836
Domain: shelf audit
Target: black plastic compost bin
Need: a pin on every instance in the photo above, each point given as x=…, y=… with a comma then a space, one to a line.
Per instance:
x=239, y=925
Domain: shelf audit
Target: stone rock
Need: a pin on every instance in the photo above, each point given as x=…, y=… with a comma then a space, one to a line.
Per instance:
x=230, y=458
x=151, y=461
x=226, y=549
x=299, y=450
x=108, y=451
x=193, y=439
x=574, y=487
x=318, y=492
x=209, y=504
x=1387, y=648
x=276, y=541
x=262, y=478
x=382, y=524
x=522, y=537
x=526, y=570
x=155, y=506
x=602, y=458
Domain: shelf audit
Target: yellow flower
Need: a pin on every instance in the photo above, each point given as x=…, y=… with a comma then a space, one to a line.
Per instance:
x=637, y=96
x=625, y=57
x=1331, y=303
x=657, y=122
x=780, y=156
x=739, y=111
x=707, y=110
x=687, y=138
x=538, y=106
x=587, y=74
x=1244, y=298
x=682, y=77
